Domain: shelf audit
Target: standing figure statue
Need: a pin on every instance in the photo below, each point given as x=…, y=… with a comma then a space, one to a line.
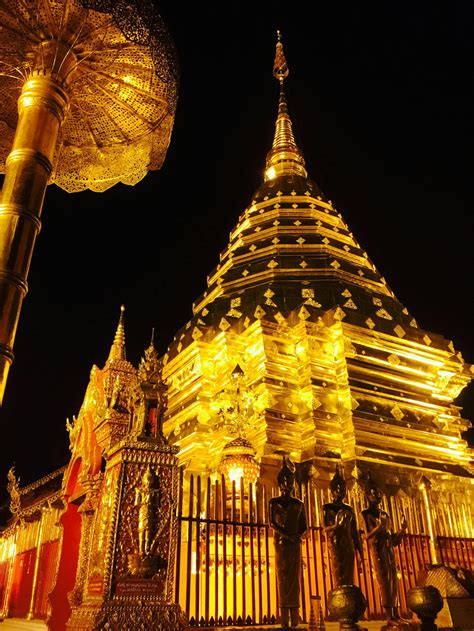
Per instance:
x=381, y=541
x=288, y=520
x=340, y=527
x=147, y=498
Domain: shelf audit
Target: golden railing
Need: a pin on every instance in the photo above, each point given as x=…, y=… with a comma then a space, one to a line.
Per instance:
x=226, y=563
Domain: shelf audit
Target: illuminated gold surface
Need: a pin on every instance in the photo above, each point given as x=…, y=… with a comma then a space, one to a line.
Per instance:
x=284, y=158
x=333, y=369
x=126, y=567
x=121, y=84
x=339, y=366
x=86, y=103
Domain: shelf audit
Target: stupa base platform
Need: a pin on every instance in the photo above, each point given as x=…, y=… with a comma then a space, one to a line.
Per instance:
x=121, y=616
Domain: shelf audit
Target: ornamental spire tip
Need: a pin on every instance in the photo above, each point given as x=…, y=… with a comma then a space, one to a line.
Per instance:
x=280, y=67
x=117, y=350
x=285, y=157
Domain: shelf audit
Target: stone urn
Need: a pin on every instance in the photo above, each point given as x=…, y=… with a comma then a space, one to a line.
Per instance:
x=346, y=604
x=426, y=602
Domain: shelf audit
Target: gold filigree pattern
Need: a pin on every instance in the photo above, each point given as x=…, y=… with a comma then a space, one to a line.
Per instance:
x=122, y=86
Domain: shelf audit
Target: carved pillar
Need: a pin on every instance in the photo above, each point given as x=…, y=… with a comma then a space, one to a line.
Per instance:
x=87, y=511
x=129, y=580
x=39, y=541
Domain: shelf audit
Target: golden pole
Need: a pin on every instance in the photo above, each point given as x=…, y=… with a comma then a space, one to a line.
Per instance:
x=423, y=486
x=31, y=612
x=11, y=566
x=42, y=106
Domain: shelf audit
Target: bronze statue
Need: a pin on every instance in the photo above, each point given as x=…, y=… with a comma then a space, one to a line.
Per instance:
x=147, y=497
x=288, y=520
x=341, y=532
x=382, y=541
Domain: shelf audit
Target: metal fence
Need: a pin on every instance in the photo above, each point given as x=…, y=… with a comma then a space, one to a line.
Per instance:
x=226, y=561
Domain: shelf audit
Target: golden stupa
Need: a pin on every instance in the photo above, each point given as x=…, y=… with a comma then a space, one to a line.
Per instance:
x=299, y=349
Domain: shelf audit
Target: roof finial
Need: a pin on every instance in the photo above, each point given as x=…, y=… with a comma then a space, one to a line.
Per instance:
x=149, y=364
x=117, y=350
x=284, y=158
x=280, y=67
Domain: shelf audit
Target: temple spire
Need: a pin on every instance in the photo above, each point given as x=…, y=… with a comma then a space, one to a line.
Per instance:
x=117, y=350
x=285, y=157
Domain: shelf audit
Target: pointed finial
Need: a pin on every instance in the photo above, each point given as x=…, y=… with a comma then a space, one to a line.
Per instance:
x=149, y=364
x=280, y=67
x=284, y=158
x=117, y=350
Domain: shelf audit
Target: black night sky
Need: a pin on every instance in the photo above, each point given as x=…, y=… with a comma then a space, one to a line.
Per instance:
x=381, y=102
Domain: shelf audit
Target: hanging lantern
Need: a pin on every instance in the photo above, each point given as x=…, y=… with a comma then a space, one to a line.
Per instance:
x=238, y=462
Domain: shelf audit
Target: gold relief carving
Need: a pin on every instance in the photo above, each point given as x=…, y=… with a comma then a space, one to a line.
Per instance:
x=339, y=314
x=13, y=489
x=349, y=348
x=397, y=413
x=308, y=294
x=103, y=525
x=191, y=370
x=449, y=383
x=383, y=313
x=370, y=323
x=393, y=359
x=123, y=617
x=303, y=313
x=224, y=324
x=399, y=331
x=145, y=529
x=73, y=431
x=196, y=334
x=350, y=304
x=41, y=481
x=76, y=596
x=240, y=405
x=149, y=365
x=427, y=340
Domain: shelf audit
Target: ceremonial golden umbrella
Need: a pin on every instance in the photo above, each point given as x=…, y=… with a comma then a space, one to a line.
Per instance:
x=88, y=95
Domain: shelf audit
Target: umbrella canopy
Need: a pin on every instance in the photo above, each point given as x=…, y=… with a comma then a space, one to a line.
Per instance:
x=87, y=99
x=121, y=83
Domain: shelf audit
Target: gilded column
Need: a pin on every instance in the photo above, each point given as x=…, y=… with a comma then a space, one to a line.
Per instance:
x=424, y=486
x=41, y=109
x=39, y=540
